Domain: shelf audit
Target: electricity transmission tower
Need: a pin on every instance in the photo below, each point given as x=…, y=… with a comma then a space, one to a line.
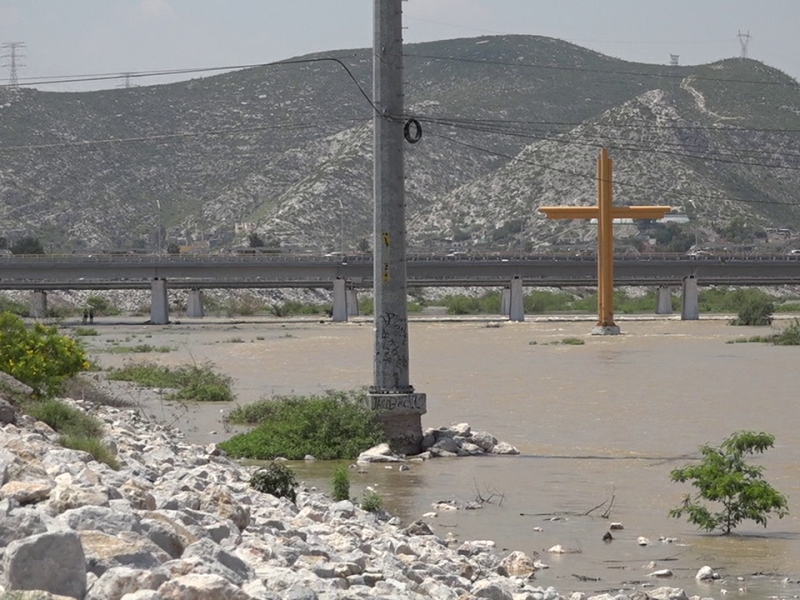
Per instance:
x=13, y=57
x=744, y=41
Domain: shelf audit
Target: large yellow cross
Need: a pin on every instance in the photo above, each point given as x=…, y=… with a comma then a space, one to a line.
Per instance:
x=605, y=213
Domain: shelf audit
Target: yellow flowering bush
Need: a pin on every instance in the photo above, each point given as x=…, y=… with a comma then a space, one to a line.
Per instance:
x=38, y=356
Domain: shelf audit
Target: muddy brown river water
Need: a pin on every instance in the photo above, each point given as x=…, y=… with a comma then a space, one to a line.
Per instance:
x=609, y=418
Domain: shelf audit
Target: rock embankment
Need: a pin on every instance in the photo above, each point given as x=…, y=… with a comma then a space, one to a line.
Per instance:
x=179, y=521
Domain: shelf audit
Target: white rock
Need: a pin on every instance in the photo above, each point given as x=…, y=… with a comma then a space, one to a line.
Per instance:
x=661, y=573
x=642, y=541
x=615, y=526
x=706, y=573
x=557, y=549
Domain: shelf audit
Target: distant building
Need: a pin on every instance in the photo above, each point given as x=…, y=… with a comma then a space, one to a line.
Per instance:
x=244, y=227
x=778, y=234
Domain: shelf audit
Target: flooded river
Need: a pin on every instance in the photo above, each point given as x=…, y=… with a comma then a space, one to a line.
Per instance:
x=598, y=423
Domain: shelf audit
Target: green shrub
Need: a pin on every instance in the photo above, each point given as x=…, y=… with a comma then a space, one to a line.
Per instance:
x=38, y=356
x=573, y=341
x=11, y=306
x=330, y=426
x=101, y=306
x=755, y=311
x=145, y=374
x=85, y=331
x=371, y=501
x=202, y=384
x=723, y=476
x=198, y=383
x=138, y=349
x=341, y=485
x=276, y=479
x=789, y=336
x=64, y=418
x=92, y=445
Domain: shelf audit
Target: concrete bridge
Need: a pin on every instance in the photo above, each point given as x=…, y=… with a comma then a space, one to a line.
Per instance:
x=345, y=275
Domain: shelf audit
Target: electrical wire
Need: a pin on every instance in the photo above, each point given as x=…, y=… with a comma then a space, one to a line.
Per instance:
x=660, y=75
x=175, y=136
x=666, y=192
x=630, y=146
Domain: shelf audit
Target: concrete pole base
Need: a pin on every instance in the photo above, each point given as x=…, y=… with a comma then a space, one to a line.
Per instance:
x=516, y=307
x=505, y=301
x=38, y=304
x=690, y=309
x=339, y=314
x=663, y=301
x=194, y=304
x=159, y=305
x=352, y=302
x=606, y=330
x=401, y=418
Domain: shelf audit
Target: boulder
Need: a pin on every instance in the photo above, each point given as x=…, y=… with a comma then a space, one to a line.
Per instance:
x=8, y=413
x=706, y=573
x=504, y=448
x=418, y=528
x=67, y=497
x=104, y=551
x=11, y=387
x=217, y=500
x=379, y=453
x=668, y=593
x=201, y=587
x=518, y=564
x=52, y=562
x=26, y=492
x=100, y=518
x=491, y=590
x=483, y=439
x=138, y=494
x=234, y=568
x=117, y=582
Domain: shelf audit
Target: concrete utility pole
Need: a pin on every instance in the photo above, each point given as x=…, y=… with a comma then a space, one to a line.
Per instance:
x=392, y=395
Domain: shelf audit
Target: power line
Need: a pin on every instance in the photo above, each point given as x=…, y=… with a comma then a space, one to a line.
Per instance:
x=660, y=74
x=651, y=189
x=633, y=145
x=174, y=136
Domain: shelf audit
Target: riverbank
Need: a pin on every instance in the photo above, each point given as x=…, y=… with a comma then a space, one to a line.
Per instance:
x=178, y=520
x=612, y=415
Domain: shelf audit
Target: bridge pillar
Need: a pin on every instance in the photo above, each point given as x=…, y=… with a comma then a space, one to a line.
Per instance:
x=505, y=301
x=351, y=299
x=516, y=307
x=690, y=310
x=339, y=314
x=159, y=306
x=38, y=304
x=663, y=301
x=194, y=304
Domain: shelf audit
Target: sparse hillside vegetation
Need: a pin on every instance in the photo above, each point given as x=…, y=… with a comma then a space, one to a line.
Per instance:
x=511, y=123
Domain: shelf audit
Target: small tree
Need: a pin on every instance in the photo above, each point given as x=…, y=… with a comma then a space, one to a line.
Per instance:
x=39, y=356
x=27, y=245
x=255, y=240
x=276, y=479
x=341, y=484
x=723, y=476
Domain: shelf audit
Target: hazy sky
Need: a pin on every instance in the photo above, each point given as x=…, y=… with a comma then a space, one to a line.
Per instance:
x=76, y=37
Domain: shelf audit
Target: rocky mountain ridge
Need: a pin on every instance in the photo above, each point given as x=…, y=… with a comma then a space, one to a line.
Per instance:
x=510, y=123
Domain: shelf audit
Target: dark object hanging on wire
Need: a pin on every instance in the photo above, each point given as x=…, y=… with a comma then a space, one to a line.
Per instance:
x=412, y=137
